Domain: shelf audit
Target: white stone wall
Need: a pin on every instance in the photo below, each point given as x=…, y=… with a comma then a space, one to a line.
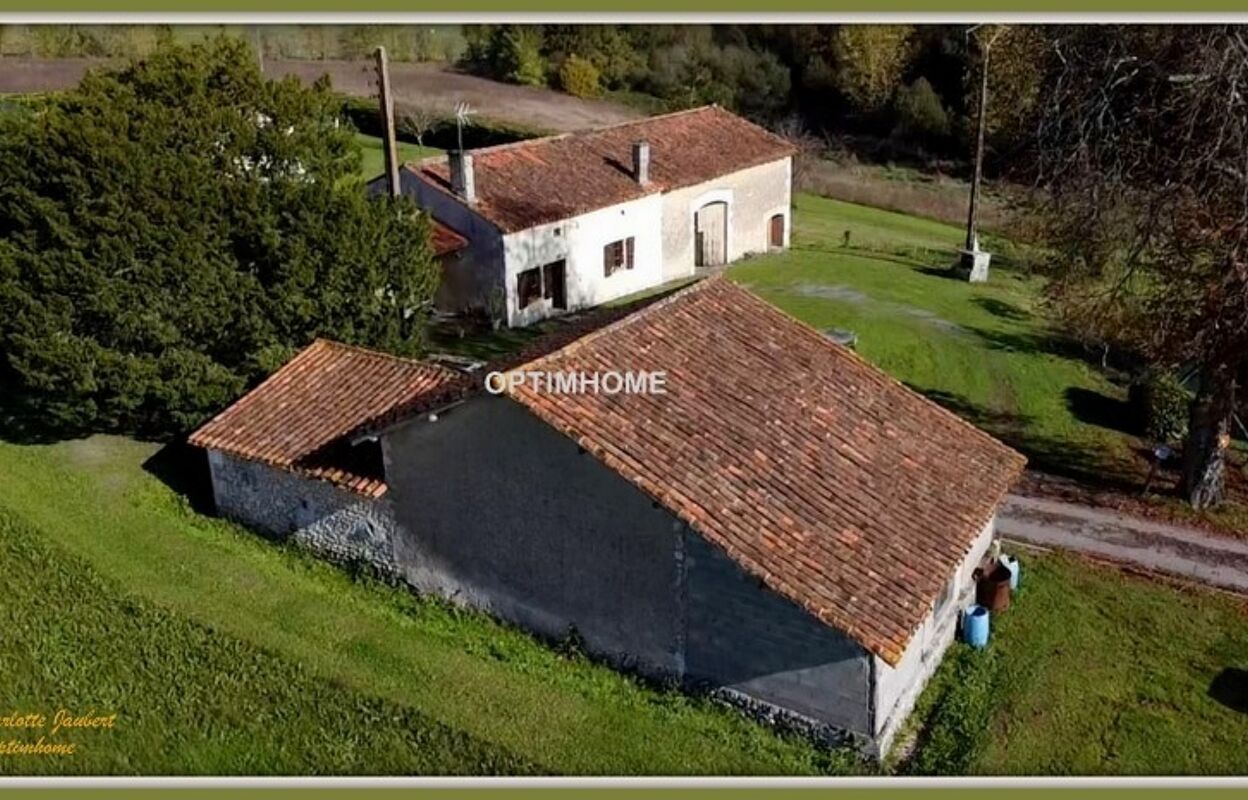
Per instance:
x=661, y=225
x=753, y=195
x=897, y=689
x=579, y=241
x=332, y=522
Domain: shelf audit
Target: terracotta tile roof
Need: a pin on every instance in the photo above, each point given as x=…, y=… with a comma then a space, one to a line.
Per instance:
x=545, y=180
x=837, y=486
x=299, y=417
x=444, y=239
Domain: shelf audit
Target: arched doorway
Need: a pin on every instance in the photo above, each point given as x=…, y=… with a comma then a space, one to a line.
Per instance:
x=775, y=231
x=710, y=235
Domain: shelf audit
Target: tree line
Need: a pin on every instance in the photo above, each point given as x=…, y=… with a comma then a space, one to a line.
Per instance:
x=903, y=89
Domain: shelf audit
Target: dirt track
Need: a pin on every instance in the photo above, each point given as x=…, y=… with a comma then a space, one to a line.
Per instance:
x=429, y=84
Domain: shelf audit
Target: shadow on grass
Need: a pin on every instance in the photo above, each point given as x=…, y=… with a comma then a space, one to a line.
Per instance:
x=184, y=469
x=1101, y=410
x=1058, y=457
x=1002, y=309
x=948, y=273
x=1230, y=688
x=1036, y=342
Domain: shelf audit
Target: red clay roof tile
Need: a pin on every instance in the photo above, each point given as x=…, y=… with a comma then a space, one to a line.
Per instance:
x=444, y=239
x=843, y=490
x=544, y=180
x=298, y=417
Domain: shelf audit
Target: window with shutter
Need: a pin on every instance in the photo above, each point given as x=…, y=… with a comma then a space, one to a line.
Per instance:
x=616, y=256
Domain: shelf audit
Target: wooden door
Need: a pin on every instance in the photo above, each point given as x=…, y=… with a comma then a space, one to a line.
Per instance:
x=711, y=235
x=775, y=234
x=555, y=283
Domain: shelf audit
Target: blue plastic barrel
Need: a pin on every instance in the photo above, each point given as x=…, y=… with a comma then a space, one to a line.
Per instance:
x=975, y=626
x=1011, y=563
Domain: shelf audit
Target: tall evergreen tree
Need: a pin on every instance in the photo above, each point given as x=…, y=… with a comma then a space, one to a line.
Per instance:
x=171, y=230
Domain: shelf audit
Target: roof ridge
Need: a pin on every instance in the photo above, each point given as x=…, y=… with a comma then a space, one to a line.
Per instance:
x=368, y=351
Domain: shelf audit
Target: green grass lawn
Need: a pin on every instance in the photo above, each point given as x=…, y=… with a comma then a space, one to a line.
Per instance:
x=222, y=652
x=983, y=350
x=374, y=162
x=1093, y=672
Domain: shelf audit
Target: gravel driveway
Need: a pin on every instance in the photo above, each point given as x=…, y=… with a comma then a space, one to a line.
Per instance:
x=1174, y=550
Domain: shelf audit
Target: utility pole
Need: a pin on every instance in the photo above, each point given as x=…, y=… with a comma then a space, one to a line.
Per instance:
x=387, y=123
x=975, y=261
x=972, y=218
x=258, y=35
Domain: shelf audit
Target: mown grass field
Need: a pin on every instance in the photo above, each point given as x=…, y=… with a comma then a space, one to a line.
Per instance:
x=225, y=654
x=222, y=652
x=983, y=350
x=1093, y=672
x=374, y=161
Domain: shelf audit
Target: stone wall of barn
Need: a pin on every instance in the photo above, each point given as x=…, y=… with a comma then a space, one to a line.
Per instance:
x=334, y=523
x=500, y=512
x=768, y=651
x=753, y=196
x=897, y=688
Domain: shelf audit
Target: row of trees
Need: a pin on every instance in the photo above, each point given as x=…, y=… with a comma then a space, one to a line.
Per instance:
x=175, y=229
x=913, y=85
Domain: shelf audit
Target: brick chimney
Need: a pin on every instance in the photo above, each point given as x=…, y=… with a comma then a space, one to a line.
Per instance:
x=641, y=162
x=462, y=181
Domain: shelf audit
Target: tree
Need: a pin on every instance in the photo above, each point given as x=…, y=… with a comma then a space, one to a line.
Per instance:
x=920, y=113
x=418, y=120
x=518, y=52
x=608, y=47
x=1143, y=153
x=870, y=61
x=579, y=77
x=171, y=228
x=1016, y=71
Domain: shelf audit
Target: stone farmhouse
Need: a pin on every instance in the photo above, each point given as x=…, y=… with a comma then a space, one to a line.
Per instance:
x=785, y=524
x=572, y=221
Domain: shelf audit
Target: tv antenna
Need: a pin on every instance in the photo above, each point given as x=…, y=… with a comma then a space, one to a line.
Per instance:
x=463, y=113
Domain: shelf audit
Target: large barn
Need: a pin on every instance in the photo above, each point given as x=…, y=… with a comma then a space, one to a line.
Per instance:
x=572, y=221
x=784, y=522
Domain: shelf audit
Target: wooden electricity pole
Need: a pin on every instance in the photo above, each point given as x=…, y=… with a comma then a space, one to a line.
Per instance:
x=972, y=217
x=387, y=123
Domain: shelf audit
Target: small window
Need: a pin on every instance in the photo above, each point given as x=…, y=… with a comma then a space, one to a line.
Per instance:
x=617, y=256
x=529, y=287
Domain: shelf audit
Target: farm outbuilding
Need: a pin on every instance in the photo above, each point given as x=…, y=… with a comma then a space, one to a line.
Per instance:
x=784, y=524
